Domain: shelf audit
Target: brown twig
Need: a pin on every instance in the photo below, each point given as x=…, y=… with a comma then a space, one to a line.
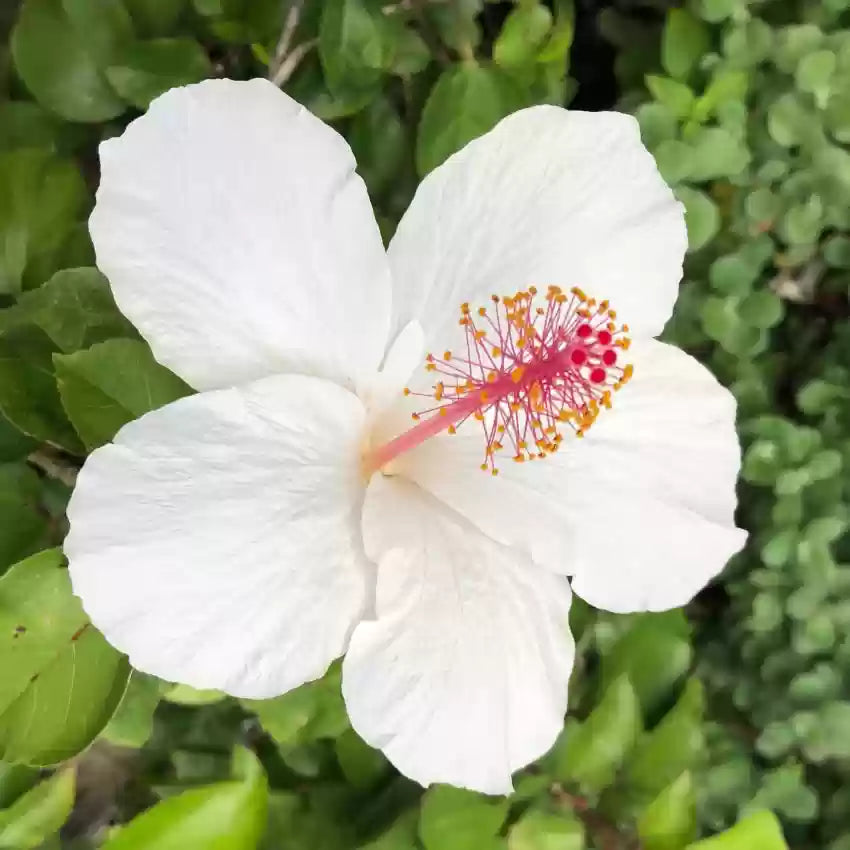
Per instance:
x=604, y=834
x=279, y=67
x=54, y=465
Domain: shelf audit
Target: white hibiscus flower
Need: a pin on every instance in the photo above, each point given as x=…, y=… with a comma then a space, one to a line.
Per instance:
x=245, y=537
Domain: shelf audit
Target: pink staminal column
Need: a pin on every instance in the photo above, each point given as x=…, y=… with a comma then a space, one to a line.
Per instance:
x=531, y=364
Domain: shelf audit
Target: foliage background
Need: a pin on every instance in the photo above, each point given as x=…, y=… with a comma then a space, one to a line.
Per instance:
x=682, y=724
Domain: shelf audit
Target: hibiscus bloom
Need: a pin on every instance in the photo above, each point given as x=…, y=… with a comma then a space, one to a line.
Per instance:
x=292, y=511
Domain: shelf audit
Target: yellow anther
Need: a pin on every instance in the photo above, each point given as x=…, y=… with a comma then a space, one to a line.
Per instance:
x=517, y=373
x=447, y=355
x=438, y=391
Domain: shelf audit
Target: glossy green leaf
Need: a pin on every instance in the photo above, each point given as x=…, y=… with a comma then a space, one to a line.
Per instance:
x=538, y=830
x=716, y=153
x=701, y=216
x=312, y=711
x=146, y=69
x=224, y=816
x=24, y=528
x=39, y=813
x=61, y=681
x=61, y=48
x=41, y=198
x=132, y=723
x=156, y=17
x=655, y=654
x=760, y=830
x=455, y=819
x=75, y=309
x=590, y=754
x=24, y=124
x=684, y=42
x=16, y=779
x=28, y=395
x=186, y=695
x=670, y=820
x=466, y=102
x=362, y=765
x=379, y=141
x=671, y=747
x=110, y=384
x=522, y=35
x=354, y=44
x=675, y=95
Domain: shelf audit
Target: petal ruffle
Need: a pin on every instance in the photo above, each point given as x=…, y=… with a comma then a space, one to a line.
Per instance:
x=462, y=678
x=548, y=197
x=217, y=541
x=239, y=240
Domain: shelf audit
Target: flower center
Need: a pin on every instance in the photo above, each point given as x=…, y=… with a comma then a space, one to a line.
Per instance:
x=530, y=366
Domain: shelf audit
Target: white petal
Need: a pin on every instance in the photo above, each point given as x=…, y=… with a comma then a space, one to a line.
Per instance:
x=640, y=511
x=462, y=678
x=523, y=506
x=548, y=197
x=239, y=240
x=653, y=486
x=217, y=541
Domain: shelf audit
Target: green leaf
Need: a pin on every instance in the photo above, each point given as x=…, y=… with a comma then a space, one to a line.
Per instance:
x=701, y=216
x=538, y=830
x=670, y=820
x=466, y=102
x=762, y=309
x=522, y=35
x=803, y=222
x=61, y=680
x=186, y=695
x=457, y=23
x=15, y=779
x=24, y=124
x=155, y=17
x=715, y=11
x=676, y=96
x=41, y=197
x=590, y=753
x=361, y=765
x=409, y=52
x=24, y=528
x=788, y=121
x=110, y=384
x=715, y=152
x=456, y=819
x=670, y=748
x=61, y=49
x=224, y=816
x=132, y=723
x=760, y=830
x=379, y=141
x=28, y=395
x=684, y=42
x=733, y=274
x=725, y=87
x=674, y=159
x=830, y=737
x=814, y=74
x=315, y=710
x=75, y=309
x=657, y=124
x=37, y=815
x=654, y=654
x=146, y=69
x=354, y=44
x=836, y=252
